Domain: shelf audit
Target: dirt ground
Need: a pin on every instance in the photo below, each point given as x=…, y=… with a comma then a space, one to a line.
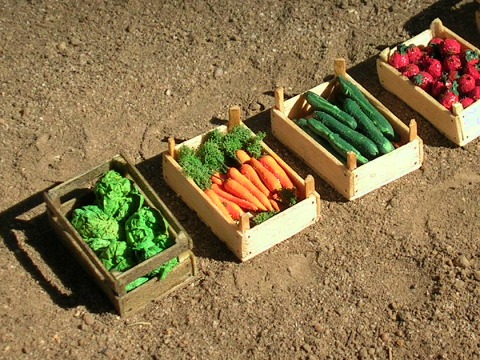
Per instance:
x=392, y=275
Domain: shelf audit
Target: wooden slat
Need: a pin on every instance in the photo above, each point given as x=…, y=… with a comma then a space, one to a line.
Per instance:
x=279, y=99
x=281, y=227
x=137, y=299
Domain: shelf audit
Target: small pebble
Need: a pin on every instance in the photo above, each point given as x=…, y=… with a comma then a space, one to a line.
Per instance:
x=62, y=46
x=218, y=73
x=254, y=106
x=88, y=318
x=462, y=261
x=168, y=92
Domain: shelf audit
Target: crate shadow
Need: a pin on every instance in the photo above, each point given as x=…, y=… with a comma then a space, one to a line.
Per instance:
x=458, y=18
x=32, y=241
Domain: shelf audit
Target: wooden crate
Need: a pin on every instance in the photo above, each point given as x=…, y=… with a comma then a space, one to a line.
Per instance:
x=243, y=239
x=64, y=198
x=348, y=179
x=460, y=126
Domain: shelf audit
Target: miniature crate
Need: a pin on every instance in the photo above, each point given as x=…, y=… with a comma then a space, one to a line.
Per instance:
x=244, y=240
x=64, y=198
x=348, y=179
x=460, y=126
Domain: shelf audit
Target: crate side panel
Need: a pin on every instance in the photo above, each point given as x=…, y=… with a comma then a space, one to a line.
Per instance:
x=314, y=155
x=282, y=226
x=419, y=101
x=470, y=121
x=380, y=171
x=155, y=289
x=225, y=229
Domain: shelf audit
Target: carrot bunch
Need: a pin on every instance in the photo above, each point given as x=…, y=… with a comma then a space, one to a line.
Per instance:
x=255, y=186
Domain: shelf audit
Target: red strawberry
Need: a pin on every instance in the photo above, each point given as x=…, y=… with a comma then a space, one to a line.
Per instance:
x=448, y=98
x=450, y=47
x=410, y=70
x=452, y=62
x=434, y=67
x=438, y=87
x=472, y=69
x=475, y=93
x=466, y=102
x=466, y=83
x=399, y=57
x=470, y=56
x=424, y=80
x=414, y=53
x=434, y=47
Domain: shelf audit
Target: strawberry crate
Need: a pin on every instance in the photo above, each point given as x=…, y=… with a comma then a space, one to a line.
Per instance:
x=460, y=125
x=74, y=193
x=244, y=238
x=348, y=179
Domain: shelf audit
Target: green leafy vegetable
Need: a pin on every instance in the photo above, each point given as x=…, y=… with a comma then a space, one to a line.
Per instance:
x=95, y=226
x=254, y=145
x=121, y=230
x=117, y=196
x=263, y=216
x=194, y=168
x=217, y=153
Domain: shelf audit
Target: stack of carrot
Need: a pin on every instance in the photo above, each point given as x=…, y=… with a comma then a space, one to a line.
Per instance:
x=256, y=186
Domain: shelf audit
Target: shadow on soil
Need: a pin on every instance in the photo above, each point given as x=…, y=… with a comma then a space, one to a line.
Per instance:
x=34, y=244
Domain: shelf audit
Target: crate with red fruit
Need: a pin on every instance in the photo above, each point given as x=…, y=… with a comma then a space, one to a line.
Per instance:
x=437, y=73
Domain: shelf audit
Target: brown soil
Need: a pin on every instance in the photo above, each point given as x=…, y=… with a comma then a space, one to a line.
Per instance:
x=393, y=275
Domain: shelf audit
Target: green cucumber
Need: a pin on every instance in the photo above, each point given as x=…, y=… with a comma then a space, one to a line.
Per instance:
x=339, y=144
x=366, y=126
x=303, y=123
x=362, y=143
x=349, y=89
x=319, y=103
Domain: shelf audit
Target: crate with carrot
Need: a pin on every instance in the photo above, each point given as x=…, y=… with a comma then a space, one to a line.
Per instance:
x=437, y=74
x=122, y=234
x=346, y=135
x=249, y=197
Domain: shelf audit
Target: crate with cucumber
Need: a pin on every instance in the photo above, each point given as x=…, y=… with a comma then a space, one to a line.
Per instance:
x=346, y=135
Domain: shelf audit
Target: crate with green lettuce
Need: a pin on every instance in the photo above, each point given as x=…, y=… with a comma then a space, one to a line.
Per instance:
x=122, y=233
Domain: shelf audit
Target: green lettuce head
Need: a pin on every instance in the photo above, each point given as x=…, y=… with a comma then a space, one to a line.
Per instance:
x=96, y=227
x=117, y=196
x=147, y=233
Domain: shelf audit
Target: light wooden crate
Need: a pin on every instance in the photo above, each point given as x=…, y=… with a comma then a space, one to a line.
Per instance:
x=242, y=238
x=64, y=198
x=460, y=126
x=348, y=179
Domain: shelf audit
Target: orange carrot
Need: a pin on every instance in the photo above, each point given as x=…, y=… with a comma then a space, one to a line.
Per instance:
x=275, y=205
x=269, y=180
x=244, y=204
x=233, y=209
x=235, y=174
x=218, y=178
x=237, y=189
x=271, y=164
x=251, y=174
x=242, y=156
x=217, y=201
